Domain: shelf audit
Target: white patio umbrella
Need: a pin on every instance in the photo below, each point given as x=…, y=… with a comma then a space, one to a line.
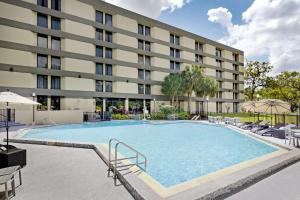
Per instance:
x=250, y=106
x=10, y=97
x=273, y=106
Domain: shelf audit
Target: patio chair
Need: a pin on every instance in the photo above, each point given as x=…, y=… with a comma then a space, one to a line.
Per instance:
x=12, y=170
x=5, y=180
x=269, y=131
x=289, y=134
x=251, y=124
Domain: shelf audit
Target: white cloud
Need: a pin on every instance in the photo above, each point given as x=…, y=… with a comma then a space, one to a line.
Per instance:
x=271, y=29
x=150, y=8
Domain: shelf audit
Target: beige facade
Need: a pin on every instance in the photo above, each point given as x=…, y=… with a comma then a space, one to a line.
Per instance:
x=72, y=61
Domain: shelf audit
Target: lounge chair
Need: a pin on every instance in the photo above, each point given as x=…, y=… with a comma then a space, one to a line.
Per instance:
x=12, y=170
x=250, y=125
x=269, y=131
x=259, y=128
x=5, y=180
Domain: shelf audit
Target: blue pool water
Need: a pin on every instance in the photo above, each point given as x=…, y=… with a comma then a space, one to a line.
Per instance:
x=177, y=152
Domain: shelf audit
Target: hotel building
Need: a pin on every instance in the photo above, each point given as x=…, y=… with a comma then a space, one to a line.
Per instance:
x=89, y=55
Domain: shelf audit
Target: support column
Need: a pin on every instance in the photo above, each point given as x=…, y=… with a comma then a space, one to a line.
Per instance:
x=48, y=103
x=104, y=105
x=144, y=105
x=126, y=104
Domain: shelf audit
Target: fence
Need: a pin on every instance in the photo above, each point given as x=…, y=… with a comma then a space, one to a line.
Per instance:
x=11, y=115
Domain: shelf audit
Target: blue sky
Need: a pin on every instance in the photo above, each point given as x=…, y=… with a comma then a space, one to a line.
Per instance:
x=193, y=16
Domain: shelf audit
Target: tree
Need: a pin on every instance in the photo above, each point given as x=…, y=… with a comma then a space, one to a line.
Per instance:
x=192, y=78
x=172, y=86
x=207, y=87
x=255, y=77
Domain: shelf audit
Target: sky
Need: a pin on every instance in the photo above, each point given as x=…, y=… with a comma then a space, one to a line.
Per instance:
x=266, y=30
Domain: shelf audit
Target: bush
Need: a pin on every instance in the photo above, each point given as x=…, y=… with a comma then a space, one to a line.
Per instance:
x=182, y=116
x=158, y=116
x=120, y=117
x=167, y=110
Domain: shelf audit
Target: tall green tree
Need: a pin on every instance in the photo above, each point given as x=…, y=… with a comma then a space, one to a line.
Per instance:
x=255, y=77
x=172, y=87
x=207, y=87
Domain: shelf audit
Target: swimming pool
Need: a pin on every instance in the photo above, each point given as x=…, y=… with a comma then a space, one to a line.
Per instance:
x=177, y=152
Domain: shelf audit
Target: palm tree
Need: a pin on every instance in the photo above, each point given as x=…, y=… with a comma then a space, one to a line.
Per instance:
x=192, y=78
x=207, y=87
x=172, y=86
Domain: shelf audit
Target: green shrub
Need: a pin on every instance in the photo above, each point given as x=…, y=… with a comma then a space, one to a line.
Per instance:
x=158, y=116
x=183, y=116
x=120, y=117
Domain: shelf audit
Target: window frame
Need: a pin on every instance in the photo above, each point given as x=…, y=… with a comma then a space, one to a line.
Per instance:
x=42, y=17
x=42, y=56
x=53, y=58
x=55, y=23
x=44, y=37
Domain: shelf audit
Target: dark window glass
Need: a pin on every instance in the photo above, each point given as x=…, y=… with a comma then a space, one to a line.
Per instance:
x=55, y=82
x=218, y=74
x=141, y=44
x=108, y=19
x=55, y=4
x=140, y=89
x=108, y=70
x=147, y=46
x=43, y=100
x=196, y=58
x=108, y=36
x=147, y=31
x=108, y=86
x=99, y=34
x=219, y=63
x=55, y=63
x=200, y=59
x=177, y=66
x=55, y=23
x=148, y=75
x=171, y=38
x=220, y=84
x=42, y=41
x=42, y=82
x=141, y=59
x=99, y=51
x=99, y=68
x=141, y=74
x=200, y=47
x=177, y=53
x=108, y=53
x=55, y=103
x=99, y=17
x=42, y=61
x=148, y=60
x=43, y=3
x=42, y=20
x=148, y=89
x=177, y=40
x=99, y=86
x=55, y=43
x=235, y=107
x=218, y=53
x=172, y=52
x=196, y=46
x=141, y=29
x=172, y=65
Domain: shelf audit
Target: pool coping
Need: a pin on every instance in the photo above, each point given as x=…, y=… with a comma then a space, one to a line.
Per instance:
x=218, y=188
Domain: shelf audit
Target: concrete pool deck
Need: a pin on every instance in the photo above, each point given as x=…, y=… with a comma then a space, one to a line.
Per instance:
x=191, y=194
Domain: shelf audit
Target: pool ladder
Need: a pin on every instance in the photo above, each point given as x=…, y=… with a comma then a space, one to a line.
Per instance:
x=115, y=163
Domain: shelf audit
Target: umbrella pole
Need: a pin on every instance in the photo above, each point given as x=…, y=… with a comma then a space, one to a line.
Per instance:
x=271, y=116
x=7, y=126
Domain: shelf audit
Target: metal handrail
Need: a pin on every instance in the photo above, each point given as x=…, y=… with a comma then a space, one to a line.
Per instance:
x=115, y=161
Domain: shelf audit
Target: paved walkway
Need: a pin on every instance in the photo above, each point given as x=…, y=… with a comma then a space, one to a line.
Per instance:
x=65, y=173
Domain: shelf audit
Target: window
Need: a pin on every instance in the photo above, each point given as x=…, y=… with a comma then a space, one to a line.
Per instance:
x=108, y=19
x=108, y=70
x=42, y=82
x=235, y=107
x=99, y=51
x=55, y=82
x=177, y=53
x=140, y=29
x=177, y=66
x=219, y=95
x=148, y=60
x=140, y=89
x=148, y=89
x=42, y=20
x=99, y=86
x=147, y=31
x=141, y=74
x=198, y=46
x=55, y=23
x=235, y=77
x=55, y=43
x=219, y=63
x=220, y=84
x=147, y=75
x=141, y=59
x=108, y=86
x=42, y=61
x=235, y=96
x=55, y=4
x=235, y=86
x=147, y=46
x=141, y=44
x=199, y=59
x=177, y=40
x=235, y=67
x=218, y=53
x=235, y=57
x=172, y=65
x=55, y=62
x=218, y=74
x=219, y=107
x=108, y=53
x=42, y=41
x=172, y=39
x=99, y=34
x=99, y=17
x=172, y=54
x=43, y=3
x=55, y=103
x=43, y=100
x=99, y=68
x=108, y=36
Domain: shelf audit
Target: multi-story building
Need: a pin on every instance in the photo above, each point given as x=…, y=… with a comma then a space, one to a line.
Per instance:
x=89, y=55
